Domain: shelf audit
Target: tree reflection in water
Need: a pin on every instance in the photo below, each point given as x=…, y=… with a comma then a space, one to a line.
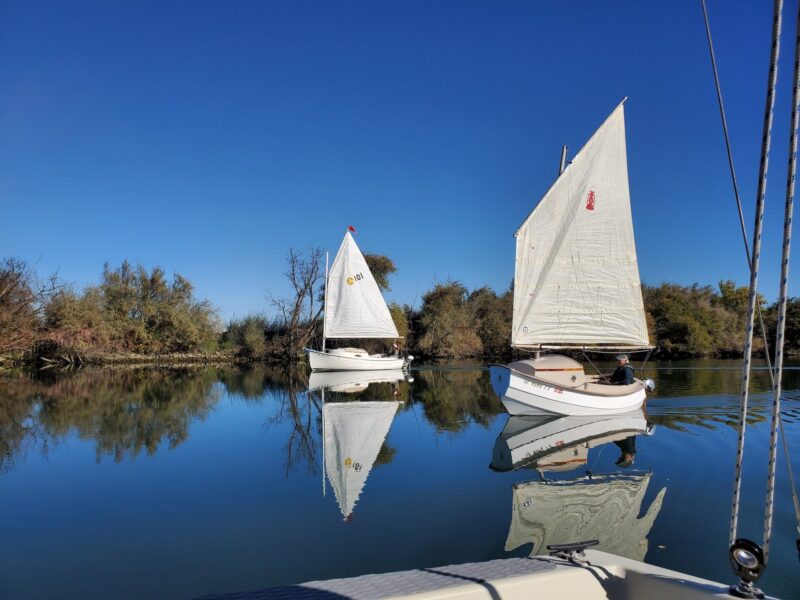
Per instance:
x=304, y=410
x=124, y=411
x=452, y=398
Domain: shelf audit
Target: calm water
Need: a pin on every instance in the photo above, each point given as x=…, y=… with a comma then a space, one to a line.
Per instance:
x=147, y=483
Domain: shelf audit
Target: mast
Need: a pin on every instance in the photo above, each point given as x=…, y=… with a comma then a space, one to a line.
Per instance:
x=324, y=304
x=562, y=165
x=322, y=410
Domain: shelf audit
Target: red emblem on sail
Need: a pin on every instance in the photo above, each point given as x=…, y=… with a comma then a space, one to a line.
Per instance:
x=590, y=201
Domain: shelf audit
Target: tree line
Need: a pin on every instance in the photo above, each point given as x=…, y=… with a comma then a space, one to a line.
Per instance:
x=138, y=310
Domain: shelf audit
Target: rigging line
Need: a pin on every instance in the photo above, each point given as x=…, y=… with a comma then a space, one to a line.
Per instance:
x=734, y=181
x=589, y=360
x=751, y=302
x=781, y=325
x=746, y=244
x=644, y=362
x=795, y=498
x=725, y=130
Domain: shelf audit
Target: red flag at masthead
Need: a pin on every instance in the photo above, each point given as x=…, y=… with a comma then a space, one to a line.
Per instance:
x=351, y=228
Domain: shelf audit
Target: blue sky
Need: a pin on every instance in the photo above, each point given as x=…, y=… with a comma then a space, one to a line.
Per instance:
x=210, y=137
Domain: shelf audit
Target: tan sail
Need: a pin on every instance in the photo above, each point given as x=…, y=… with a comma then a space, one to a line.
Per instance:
x=576, y=279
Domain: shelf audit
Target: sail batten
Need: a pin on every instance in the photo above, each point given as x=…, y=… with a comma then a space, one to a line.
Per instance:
x=354, y=305
x=576, y=273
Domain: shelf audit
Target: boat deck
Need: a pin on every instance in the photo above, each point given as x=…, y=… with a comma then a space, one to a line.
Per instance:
x=400, y=583
x=602, y=576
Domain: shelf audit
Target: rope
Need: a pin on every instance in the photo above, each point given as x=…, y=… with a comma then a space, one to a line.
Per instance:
x=725, y=129
x=746, y=243
x=589, y=360
x=644, y=362
x=751, y=302
x=781, y=327
x=735, y=184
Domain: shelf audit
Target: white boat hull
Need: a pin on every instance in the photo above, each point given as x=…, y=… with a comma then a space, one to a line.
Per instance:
x=327, y=361
x=523, y=394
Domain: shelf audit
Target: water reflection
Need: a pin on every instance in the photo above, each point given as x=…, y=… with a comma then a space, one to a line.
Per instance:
x=453, y=398
x=127, y=412
x=354, y=432
x=123, y=411
x=552, y=443
x=601, y=507
x=351, y=382
x=241, y=456
x=605, y=507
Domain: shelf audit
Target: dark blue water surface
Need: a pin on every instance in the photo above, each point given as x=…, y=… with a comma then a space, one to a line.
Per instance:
x=175, y=483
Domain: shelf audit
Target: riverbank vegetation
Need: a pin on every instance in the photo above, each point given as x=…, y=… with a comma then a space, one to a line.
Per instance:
x=134, y=313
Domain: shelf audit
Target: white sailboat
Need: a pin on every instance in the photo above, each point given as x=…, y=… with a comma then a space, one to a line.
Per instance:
x=354, y=309
x=576, y=285
x=353, y=433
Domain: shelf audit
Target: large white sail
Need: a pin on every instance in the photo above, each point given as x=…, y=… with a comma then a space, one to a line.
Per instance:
x=576, y=278
x=354, y=306
x=605, y=507
x=354, y=433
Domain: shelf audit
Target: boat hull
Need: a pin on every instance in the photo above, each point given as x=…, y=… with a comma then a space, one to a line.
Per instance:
x=524, y=394
x=325, y=361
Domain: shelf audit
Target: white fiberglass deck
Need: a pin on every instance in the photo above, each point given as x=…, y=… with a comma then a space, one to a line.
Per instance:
x=602, y=576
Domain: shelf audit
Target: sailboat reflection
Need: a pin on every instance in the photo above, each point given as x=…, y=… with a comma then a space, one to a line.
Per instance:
x=605, y=507
x=553, y=443
x=353, y=381
x=353, y=432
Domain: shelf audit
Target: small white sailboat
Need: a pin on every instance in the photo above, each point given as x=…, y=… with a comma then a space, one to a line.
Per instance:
x=576, y=285
x=353, y=433
x=354, y=309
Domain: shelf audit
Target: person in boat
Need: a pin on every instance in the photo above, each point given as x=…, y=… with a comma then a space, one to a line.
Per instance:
x=396, y=349
x=623, y=375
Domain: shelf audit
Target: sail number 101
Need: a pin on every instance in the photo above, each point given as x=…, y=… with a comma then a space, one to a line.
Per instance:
x=353, y=278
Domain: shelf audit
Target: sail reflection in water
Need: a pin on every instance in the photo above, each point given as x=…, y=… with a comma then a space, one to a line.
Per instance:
x=354, y=431
x=604, y=507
